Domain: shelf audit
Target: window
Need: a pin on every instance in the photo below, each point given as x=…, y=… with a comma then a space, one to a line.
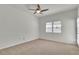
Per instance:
x=57, y=27
x=78, y=29
x=54, y=27
x=49, y=27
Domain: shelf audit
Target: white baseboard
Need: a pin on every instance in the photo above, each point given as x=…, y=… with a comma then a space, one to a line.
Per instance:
x=17, y=43
x=59, y=42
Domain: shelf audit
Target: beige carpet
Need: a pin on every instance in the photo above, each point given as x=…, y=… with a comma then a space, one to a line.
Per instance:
x=41, y=47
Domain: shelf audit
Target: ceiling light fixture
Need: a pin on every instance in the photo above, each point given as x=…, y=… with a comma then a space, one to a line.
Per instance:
x=38, y=10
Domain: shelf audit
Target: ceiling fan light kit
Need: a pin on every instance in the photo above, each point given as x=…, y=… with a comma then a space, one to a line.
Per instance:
x=38, y=11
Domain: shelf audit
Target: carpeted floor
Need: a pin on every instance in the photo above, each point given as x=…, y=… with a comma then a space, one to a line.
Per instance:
x=41, y=47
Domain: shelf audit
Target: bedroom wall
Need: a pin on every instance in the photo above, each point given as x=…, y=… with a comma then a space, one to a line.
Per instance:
x=16, y=26
x=68, y=19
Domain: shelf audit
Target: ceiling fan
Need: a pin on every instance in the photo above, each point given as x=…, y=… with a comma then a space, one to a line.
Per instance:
x=38, y=10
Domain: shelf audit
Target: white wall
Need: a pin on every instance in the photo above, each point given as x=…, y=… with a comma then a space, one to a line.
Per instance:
x=68, y=19
x=16, y=26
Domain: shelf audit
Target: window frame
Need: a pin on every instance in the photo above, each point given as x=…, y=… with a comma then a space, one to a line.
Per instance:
x=57, y=27
x=51, y=27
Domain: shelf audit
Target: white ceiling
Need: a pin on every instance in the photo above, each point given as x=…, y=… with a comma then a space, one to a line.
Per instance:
x=53, y=8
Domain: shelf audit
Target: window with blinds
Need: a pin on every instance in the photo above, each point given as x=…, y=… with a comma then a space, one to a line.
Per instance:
x=57, y=27
x=49, y=27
